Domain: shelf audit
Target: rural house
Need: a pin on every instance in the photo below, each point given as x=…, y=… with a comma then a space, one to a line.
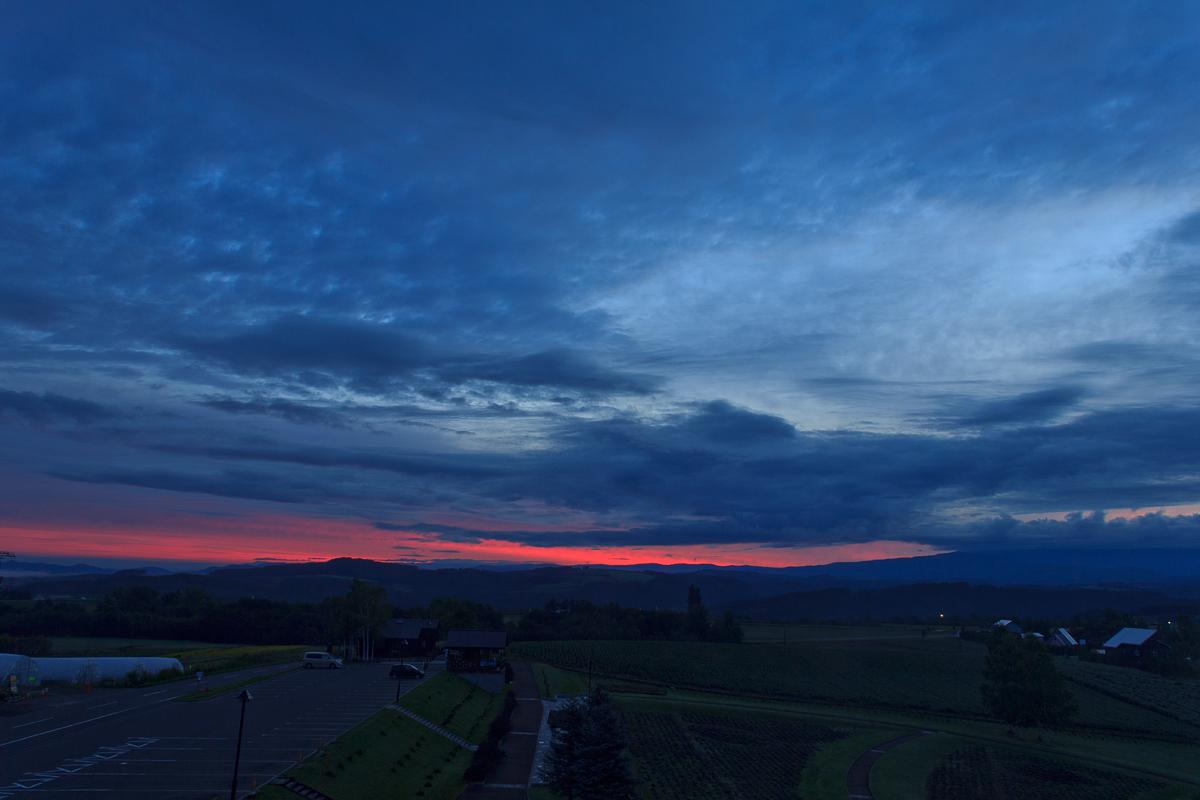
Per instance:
x=1130, y=645
x=1008, y=625
x=1061, y=638
x=475, y=651
x=408, y=637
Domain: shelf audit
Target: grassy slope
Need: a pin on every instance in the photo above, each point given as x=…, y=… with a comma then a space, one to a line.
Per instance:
x=900, y=774
x=456, y=704
x=386, y=757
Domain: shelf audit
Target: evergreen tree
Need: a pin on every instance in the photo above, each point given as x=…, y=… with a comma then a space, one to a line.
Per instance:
x=1022, y=685
x=697, y=621
x=587, y=759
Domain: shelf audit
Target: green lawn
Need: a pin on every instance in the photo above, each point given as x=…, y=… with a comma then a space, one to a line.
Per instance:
x=388, y=756
x=900, y=773
x=824, y=776
x=456, y=704
x=225, y=658
x=553, y=681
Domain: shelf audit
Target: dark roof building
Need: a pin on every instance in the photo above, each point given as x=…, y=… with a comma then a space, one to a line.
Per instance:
x=475, y=651
x=409, y=637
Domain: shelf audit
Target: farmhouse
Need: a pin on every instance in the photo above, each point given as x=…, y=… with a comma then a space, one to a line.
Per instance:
x=1008, y=625
x=408, y=637
x=1061, y=638
x=1131, y=644
x=475, y=651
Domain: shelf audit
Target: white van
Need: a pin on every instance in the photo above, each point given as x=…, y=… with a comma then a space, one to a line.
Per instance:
x=315, y=658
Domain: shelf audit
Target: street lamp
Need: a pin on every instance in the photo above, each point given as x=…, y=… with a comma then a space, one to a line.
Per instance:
x=245, y=697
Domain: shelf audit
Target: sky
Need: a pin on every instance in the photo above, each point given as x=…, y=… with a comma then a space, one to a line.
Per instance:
x=744, y=283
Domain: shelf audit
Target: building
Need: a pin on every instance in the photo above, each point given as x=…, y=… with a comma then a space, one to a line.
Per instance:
x=475, y=651
x=1132, y=644
x=401, y=638
x=1061, y=638
x=1008, y=625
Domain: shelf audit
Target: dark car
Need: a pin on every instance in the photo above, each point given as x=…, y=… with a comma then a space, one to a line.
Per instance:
x=405, y=671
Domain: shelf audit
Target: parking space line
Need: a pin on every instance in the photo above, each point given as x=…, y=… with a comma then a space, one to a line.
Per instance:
x=35, y=722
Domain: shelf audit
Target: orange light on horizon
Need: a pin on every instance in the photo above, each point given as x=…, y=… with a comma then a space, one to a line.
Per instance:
x=294, y=538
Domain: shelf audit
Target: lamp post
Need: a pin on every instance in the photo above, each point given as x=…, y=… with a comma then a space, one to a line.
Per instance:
x=397, y=690
x=245, y=697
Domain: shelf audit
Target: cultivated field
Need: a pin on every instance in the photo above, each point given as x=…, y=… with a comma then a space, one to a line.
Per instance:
x=682, y=752
x=937, y=675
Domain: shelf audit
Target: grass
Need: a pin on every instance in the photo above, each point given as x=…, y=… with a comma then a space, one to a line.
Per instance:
x=388, y=756
x=782, y=633
x=901, y=773
x=205, y=694
x=225, y=658
x=824, y=776
x=553, y=681
x=456, y=704
x=932, y=675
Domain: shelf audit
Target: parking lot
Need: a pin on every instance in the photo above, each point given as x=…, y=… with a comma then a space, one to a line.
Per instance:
x=147, y=743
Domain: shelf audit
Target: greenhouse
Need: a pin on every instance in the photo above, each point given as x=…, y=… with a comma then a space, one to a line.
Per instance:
x=17, y=672
x=97, y=670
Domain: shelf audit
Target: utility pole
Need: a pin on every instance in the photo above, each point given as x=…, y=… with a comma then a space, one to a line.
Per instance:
x=245, y=697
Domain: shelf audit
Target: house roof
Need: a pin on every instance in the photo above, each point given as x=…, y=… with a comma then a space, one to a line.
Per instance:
x=1064, y=635
x=1002, y=623
x=407, y=628
x=1131, y=636
x=489, y=640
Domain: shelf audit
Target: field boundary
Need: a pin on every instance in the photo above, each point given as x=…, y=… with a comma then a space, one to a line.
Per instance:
x=913, y=726
x=894, y=708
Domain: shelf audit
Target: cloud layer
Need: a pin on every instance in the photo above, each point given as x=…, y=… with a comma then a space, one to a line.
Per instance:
x=706, y=277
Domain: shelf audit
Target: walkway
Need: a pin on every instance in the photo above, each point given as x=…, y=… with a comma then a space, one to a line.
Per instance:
x=858, y=779
x=510, y=779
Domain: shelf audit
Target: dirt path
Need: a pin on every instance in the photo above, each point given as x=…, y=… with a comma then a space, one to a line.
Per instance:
x=858, y=779
x=510, y=779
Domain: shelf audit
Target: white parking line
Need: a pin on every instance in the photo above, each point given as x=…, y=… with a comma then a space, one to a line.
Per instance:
x=102, y=705
x=35, y=722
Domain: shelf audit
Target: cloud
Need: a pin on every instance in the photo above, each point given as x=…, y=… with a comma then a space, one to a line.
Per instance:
x=49, y=408
x=1185, y=230
x=1037, y=406
x=239, y=484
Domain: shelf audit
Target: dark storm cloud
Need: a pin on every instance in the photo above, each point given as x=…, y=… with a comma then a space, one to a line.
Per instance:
x=1038, y=406
x=237, y=484
x=284, y=409
x=49, y=408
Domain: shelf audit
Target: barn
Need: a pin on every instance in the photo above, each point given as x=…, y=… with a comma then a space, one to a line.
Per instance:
x=475, y=651
x=404, y=638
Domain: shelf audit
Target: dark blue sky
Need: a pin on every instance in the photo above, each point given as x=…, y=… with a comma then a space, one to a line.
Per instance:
x=722, y=281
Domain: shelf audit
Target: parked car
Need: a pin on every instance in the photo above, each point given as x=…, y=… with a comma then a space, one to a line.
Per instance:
x=405, y=671
x=315, y=658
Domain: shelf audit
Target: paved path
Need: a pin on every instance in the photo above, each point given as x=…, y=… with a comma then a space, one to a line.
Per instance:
x=510, y=779
x=858, y=779
x=129, y=744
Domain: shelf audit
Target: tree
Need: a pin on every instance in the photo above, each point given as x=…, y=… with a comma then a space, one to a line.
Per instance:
x=587, y=759
x=697, y=614
x=1022, y=685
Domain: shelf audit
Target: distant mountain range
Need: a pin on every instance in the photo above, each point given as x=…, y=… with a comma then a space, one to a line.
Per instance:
x=1013, y=583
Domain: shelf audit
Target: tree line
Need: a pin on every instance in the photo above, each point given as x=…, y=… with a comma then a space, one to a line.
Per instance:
x=579, y=619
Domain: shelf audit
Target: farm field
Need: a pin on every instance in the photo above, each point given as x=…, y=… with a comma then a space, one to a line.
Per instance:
x=784, y=633
x=389, y=755
x=1174, y=698
x=456, y=704
x=107, y=646
x=553, y=681
x=926, y=675
x=683, y=752
x=223, y=658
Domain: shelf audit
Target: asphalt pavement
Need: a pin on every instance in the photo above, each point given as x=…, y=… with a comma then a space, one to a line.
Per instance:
x=146, y=743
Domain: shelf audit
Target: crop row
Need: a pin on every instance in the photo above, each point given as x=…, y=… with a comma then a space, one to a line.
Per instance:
x=1174, y=698
x=709, y=756
x=988, y=774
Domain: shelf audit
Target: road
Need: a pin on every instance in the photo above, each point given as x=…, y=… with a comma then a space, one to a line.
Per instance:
x=139, y=743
